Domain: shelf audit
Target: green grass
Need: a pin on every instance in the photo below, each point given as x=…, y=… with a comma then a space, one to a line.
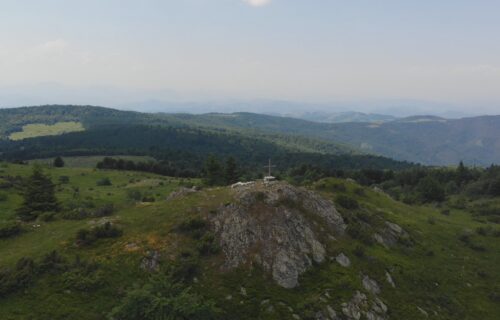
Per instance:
x=455, y=281
x=38, y=130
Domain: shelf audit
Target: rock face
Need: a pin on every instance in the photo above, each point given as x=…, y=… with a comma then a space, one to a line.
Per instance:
x=277, y=226
x=360, y=308
x=390, y=235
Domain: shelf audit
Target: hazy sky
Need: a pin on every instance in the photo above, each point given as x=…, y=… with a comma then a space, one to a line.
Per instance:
x=306, y=50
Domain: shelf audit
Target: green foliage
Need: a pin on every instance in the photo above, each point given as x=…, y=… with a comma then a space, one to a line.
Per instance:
x=19, y=277
x=430, y=190
x=230, y=171
x=346, y=201
x=39, y=196
x=213, y=172
x=3, y=197
x=163, y=298
x=63, y=179
x=58, y=162
x=208, y=245
x=134, y=195
x=85, y=237
x=103, y=182
x=9, y=229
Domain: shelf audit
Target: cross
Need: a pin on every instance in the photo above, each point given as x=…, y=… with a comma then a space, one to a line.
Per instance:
x=269, y=166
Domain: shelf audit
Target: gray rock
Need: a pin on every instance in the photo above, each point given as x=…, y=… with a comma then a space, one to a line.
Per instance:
x=343, y=260
x=389, y=279
x=270, y=225
x=182, y=192
x=332, y=313
x=359, y=308
x=151, y=262
x=370, y=285
x=243, y=291
x=423, y=312
x=390, y=235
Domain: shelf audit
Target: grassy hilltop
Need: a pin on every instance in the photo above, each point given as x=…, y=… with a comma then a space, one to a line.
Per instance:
x=447, y=269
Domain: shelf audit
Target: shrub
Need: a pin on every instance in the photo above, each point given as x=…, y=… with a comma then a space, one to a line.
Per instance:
x=192, y=224
x=9, y=229
x=64, y=179
x=359, y=251
x=162, y=298
x=47, y=216
x=58, y=162
x=207, y=245
x=3, y=197
x=85, y=237
x=339, y=187
x=53, y=262
x=103, y=211
x=148, y=199
x=431, y=220
x=134, y=195
x=445, y=212
x=84, y=211
x=347, y=202
x=103, y=182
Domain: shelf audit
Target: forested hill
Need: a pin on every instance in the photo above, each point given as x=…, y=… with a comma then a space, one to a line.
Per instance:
x=423, y=139
x=171, y=139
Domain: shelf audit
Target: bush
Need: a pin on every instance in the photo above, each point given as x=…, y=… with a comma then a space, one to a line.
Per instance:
x=64, y=179
x=47, y=216
x=347, y=202
x=3, y=197
x=339, y=187
x=9, y=229
x=103, y=182
x=207, y=245
x=17, y=278
x=85, y=237
x=445, y=212
x=83, y=212
x=163, y=298
x=148, y=199
x=134, y=195
x=192, y=224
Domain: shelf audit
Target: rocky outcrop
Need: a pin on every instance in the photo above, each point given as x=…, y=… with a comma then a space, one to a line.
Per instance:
x=360, y=307
x=182, y=192
x=276, y=225
x=390, y=235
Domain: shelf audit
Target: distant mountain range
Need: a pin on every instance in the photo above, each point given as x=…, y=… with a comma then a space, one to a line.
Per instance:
x=340, y=117
x=428, y=140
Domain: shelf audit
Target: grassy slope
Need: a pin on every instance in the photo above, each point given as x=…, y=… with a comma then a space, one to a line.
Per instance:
x=39, y=130
x=454, y=281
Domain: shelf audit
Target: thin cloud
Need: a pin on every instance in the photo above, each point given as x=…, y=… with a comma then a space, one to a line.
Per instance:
x=258, y=3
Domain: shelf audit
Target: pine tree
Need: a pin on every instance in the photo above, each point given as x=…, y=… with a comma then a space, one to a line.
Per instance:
x=58, y=162
x=39, y=196
x=213, y=171
x=231, y=171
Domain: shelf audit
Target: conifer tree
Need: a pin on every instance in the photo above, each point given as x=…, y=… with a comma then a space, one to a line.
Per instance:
x=38, y=196
x=231, y=171
x=58, y=162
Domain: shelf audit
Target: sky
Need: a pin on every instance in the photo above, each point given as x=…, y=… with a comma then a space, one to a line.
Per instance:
x=396, y=53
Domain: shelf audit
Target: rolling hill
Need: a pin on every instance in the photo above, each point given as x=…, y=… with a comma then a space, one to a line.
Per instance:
x=423, y=139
